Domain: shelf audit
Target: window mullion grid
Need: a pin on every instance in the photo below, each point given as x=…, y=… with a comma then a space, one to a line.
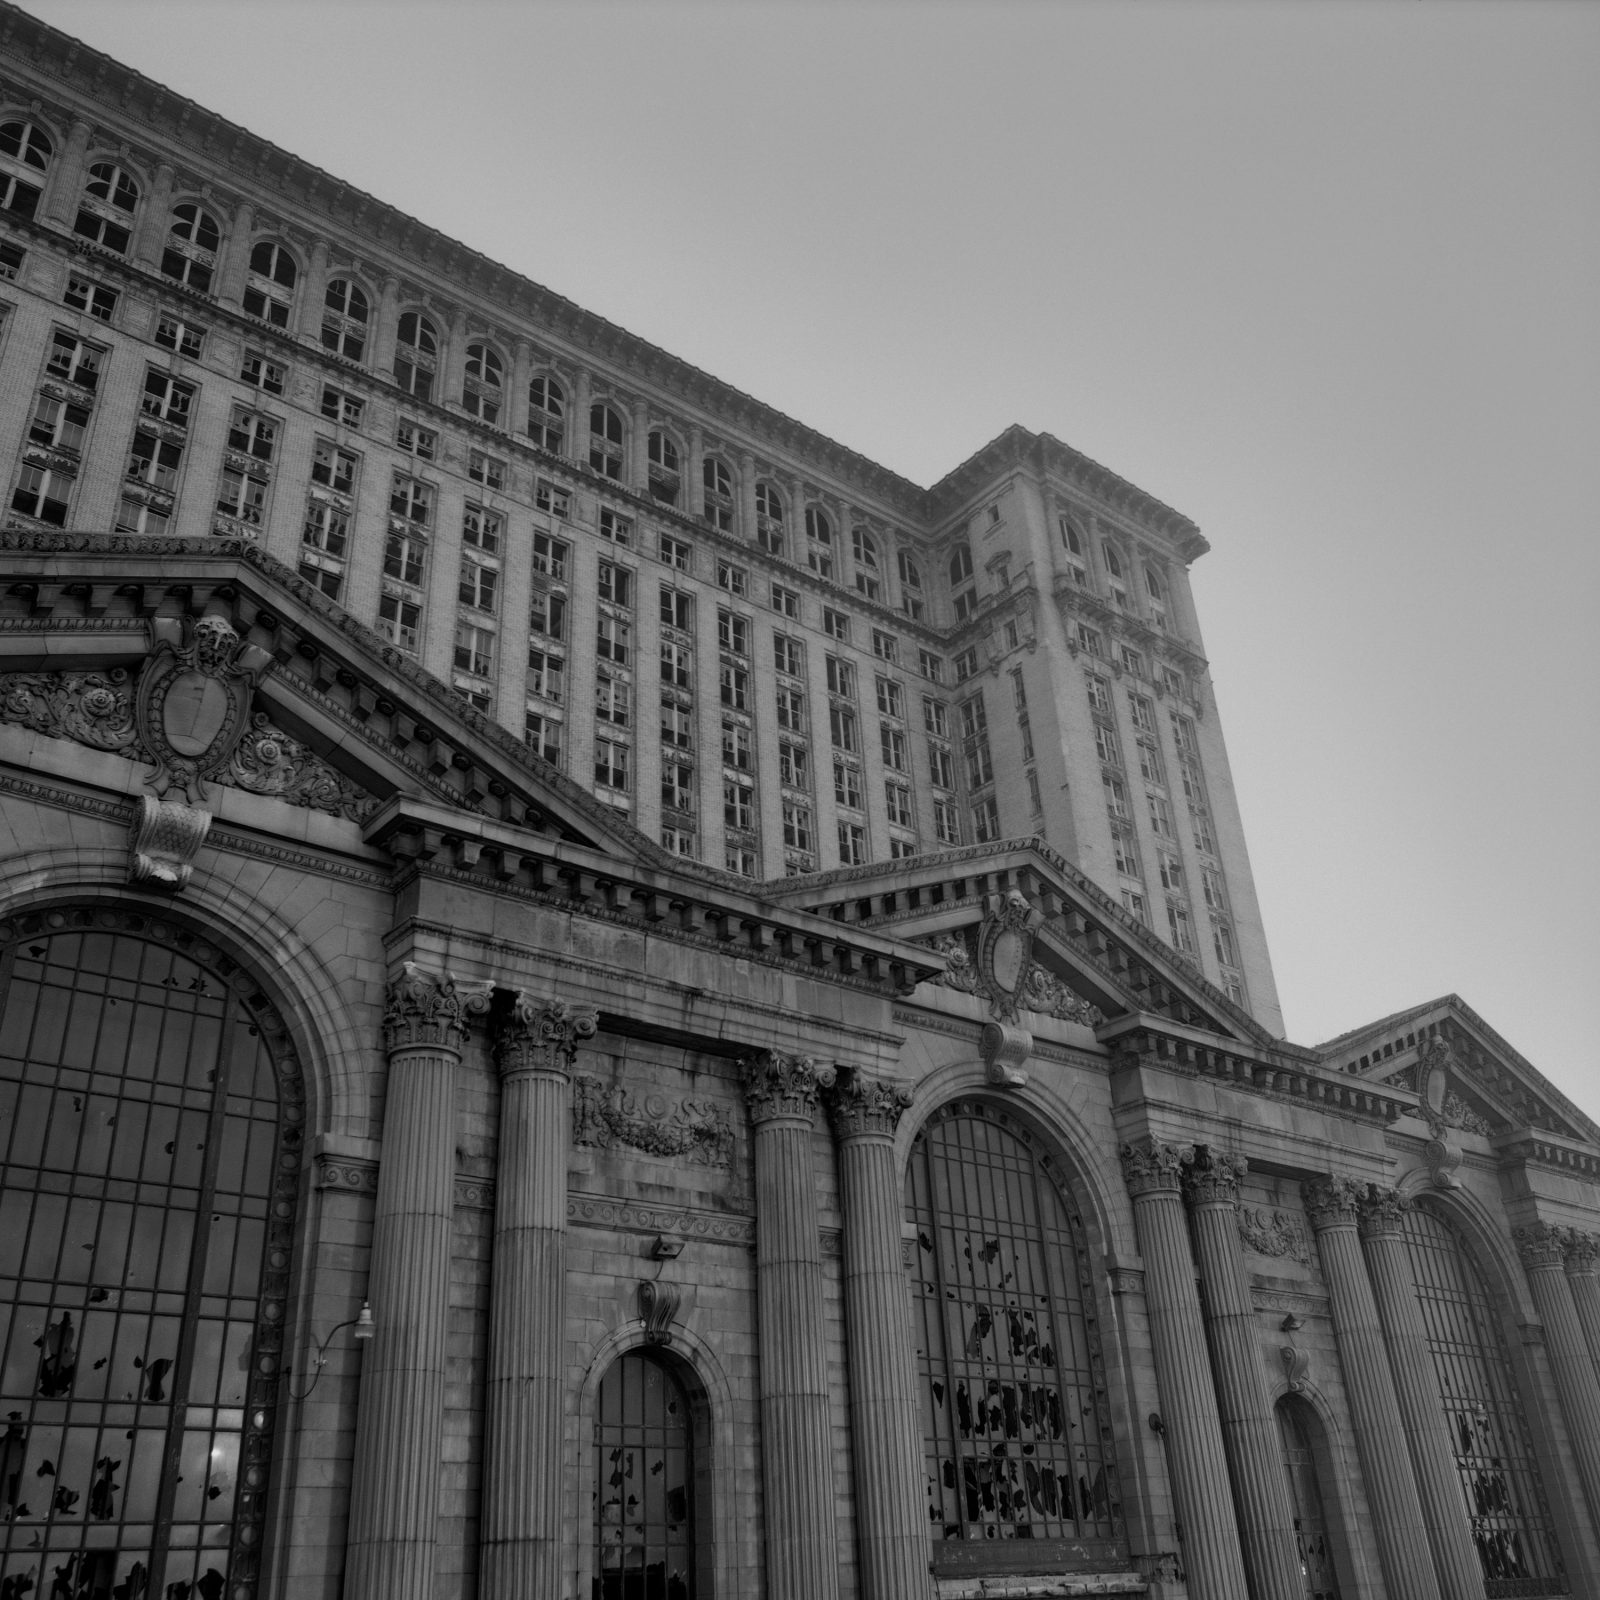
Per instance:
x=941, y=1320
x=193, y=1289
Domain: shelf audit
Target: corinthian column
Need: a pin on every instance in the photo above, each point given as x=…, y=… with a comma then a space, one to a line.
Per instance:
x=1583, y=1278
x=1212, y=1556
x=885, y=1426
x=1543, y=1251
x=521, y=1533
x=796, y=1455
x=1255, y=1446
x=394, y=1495
x=1416, y=1384
x=1332, y=1204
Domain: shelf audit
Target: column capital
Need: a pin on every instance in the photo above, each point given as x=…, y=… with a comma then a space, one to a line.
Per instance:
x=1213, y=1180
x=1150, y=1167
x=1541, y=1244
x=422, y=1008
x=777, y=1085
x=1383, y=1213
x=541, y=1035
x=1583, y=1253
x=1333, y=1202
x=866, y=1107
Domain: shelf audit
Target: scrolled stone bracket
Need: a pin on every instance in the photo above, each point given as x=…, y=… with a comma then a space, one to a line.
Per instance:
x=1005, y=1049
x=167, y=835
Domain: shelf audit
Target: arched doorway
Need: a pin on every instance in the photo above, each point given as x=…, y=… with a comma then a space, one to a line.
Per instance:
x=646, y=1518
x=1505, y=1499
x=150, y=1126
x=1298, y=1430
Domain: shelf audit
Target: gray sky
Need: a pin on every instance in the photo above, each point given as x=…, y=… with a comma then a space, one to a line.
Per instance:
x=1322, y=275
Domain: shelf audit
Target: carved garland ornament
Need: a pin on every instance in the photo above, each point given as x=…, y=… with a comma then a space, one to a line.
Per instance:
x=697, y=1132
x=1273, y=1233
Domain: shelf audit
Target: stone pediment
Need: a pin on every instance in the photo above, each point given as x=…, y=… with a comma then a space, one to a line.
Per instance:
x=337, y=719
x=1089, y=960
x=96, y=709
x=1469, y=1078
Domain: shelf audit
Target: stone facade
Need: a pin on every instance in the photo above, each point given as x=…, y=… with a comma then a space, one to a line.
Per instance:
x=984, y=1242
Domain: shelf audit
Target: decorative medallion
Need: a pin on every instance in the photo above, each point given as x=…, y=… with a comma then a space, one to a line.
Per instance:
x=193, y=701
x=1005, y=950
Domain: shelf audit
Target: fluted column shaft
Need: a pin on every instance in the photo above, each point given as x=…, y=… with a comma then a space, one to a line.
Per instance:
x=1255, y=1446
x=1212, y=1556
x=1543, y=1249
x=152, y=235
x=885, y=1425
x=1396, y=1507
x=394, y=1495
x=1583, y=1279
x=233, y=263
x=521, y=1530
x=1444, y=1506
x=60, y=201
x=796, y=1449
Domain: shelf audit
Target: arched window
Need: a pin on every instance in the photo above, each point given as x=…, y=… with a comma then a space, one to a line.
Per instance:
x=416, y=355
x=25, y=151
x=148, y=1201
x=269, y=290
x=911, y=601
x=193, y=240
x=1297, y=1428
x=717, y=483
x=1155, y=586
x=769, y=518
x=480, y=389
x=644, y=1513
x=663, y=467
x=105, y=213
x=1485, y=1414
x=960, y=565
x=1015, y=1426
x=345, y=310
x=865, y=549
x=819, y=542
x=605, y=440
x=1113, y=558
x=546, y=408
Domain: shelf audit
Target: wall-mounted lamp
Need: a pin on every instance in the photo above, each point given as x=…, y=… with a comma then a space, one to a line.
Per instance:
x=1157, y=1426
x=665, y=1249
x=361, y=1322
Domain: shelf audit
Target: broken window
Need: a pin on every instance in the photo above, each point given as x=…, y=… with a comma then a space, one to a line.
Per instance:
x=1485, y=1415
x=143, y=1207
x=416, y=355
x=644, y=1505
x=1016, y=1428
x=480, y=388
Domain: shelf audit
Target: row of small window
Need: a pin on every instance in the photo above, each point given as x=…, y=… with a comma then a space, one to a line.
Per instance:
x=1092, y=642
x=1119, y=569
x=194, y=239
x=1180, y=930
